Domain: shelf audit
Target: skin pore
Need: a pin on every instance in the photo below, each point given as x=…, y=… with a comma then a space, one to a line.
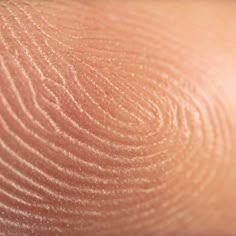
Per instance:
x=117, y=118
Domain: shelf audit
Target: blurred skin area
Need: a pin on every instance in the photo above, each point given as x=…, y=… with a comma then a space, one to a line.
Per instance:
x=117, y=118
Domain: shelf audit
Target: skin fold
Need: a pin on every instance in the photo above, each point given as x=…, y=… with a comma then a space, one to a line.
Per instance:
x=117, y=118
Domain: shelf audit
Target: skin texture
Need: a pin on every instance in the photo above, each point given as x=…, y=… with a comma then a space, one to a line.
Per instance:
x=117, y=118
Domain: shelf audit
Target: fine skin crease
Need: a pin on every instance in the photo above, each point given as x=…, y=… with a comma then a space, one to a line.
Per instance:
x=117, y=118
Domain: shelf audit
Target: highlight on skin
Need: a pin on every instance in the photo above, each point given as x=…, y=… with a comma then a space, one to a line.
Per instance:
x=117, y=118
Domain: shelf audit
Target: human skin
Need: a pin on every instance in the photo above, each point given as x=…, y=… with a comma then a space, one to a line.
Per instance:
x=117, y=118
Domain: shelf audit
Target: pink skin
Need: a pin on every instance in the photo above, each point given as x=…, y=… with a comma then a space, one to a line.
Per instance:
x=117, y=118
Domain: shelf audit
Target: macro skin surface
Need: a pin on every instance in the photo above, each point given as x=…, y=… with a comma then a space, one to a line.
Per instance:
x=117, y=118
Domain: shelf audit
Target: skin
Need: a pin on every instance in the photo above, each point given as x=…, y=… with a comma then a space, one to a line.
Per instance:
x=117, y=118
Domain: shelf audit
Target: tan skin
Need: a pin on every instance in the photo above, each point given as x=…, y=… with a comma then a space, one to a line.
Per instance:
x=117, y=118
